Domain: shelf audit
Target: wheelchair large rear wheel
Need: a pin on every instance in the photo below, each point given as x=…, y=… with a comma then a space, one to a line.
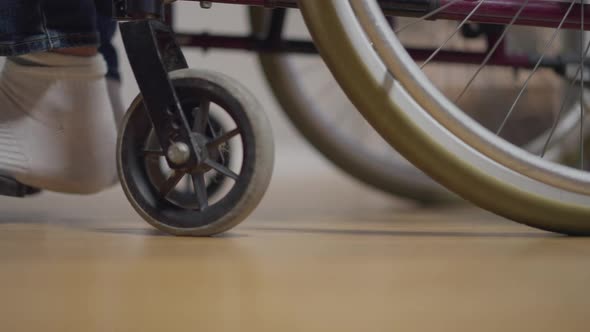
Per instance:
x=435, y=134
x=321, y=112
x=316, y=106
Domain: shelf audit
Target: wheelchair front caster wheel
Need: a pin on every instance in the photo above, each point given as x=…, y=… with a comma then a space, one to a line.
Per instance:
x=240, y=128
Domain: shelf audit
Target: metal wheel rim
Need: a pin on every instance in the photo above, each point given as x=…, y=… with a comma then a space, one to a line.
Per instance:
x=399, y=63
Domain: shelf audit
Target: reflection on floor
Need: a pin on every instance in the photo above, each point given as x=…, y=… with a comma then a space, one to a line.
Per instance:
x=321, y=254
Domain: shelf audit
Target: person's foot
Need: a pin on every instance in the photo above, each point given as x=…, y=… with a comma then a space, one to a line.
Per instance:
x=13, y=188
x=56, y=125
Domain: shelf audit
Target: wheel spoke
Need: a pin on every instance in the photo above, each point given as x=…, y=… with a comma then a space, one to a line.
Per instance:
x=211, y=129
x=493, y=50
x=171, y=183
x=223, y=138
x=563, y=105
x=222, y=169
x=153, y=153
x=453, y=34
x=222, y=155
x=200, y=190
x=201, y=116
x=526, y=83
x=427, y=16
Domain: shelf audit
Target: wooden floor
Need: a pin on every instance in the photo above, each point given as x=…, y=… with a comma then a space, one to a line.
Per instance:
x=320, y=254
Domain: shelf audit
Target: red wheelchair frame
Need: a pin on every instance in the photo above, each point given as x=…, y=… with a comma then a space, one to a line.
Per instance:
x=490, y=16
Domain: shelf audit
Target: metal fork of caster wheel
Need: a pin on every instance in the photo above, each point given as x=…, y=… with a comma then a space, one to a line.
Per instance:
x=240, y=156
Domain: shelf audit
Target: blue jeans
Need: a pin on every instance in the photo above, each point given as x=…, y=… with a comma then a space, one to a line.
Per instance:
x=28, y=26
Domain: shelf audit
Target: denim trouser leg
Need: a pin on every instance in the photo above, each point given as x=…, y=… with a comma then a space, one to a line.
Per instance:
x=28, y=26
x=39, y=25
x=107, y=28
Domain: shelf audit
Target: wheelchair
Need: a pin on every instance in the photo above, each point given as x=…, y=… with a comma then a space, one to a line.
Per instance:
x=171, y=123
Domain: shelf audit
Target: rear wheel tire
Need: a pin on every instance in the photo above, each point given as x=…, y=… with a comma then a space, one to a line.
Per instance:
x=424, y=140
